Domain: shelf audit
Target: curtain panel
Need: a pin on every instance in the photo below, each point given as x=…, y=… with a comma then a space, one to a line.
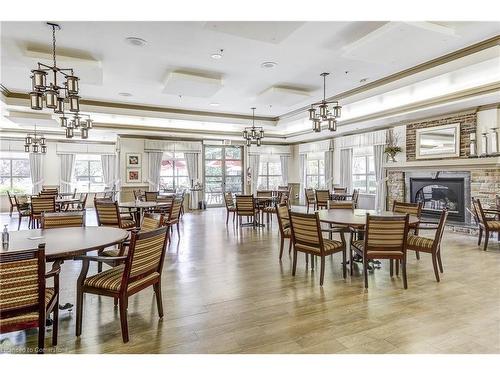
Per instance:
x=192, y=166
x=109, y=170
x=378, y=156
x=302, y=174
x=67, y=167
x=154, y=167
x=36, y=170
x=346, y=168
x=254, y=161
x=284, y=170
x=329, y=169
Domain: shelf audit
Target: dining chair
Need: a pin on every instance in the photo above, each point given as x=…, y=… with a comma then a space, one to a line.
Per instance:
x=430, y=245
x=355, y=197
x=174, y=216
x=26, y=300
x=23, y=209
x=385, y=238
x=337, y=228
x=151, y=222
x=40, y=205
x=12, y=202
x=414, y=209
x=310, y=199
x=69, y=219
x=264, y=193
x=183, y=197
x=270, y=209
x=307, y=238
x=339, y=190
x=230, y=206
x=138, y=195
x=486, y=224
x=322, y=198
x=151, y=196
x=245, y=206
x=141, y=268
x=166, y=202
x=284, y=226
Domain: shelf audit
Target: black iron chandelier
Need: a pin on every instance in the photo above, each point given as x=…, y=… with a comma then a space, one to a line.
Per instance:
x=253, y=134
x=57, y=93
x=329, y=111
x=35, y=143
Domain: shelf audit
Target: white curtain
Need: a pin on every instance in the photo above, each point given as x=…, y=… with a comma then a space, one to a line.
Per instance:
x=302, y=172
x=154, y=167
x=192, y=166
x=346, y=168
x=378, y=156
x=284, y=169
x=67, y=166
x=254, y=161
x=109, y=170
x=36, y=170
x=328, y=169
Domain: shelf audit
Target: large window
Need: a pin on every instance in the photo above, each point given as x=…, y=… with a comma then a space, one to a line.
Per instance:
x=173, y=172
x=363, y=171
x=315, y=174
x=88, y=176
x=15, y=173
x=269, y=175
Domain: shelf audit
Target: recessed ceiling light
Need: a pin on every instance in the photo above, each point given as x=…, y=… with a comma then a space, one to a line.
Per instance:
x=214, y=104
x=217, y=55
x=124, y=94
x=136, y=42
x=363, y=80
x=268, y=64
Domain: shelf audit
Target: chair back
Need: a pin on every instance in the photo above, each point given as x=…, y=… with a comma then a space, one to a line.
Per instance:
x=310, y=197
x=322, y=197
x=346, y=205
x=12, y=199
x=355, y=197
x=21, y=202
x=306, y=232
x=43, y=204
x=283, y=187
x=414, y=209
x=83, y=200
x=74, y=193
x=145, y=255
x=339, y=190
x=175, y=210
x=70, y=219
x=107, y=213
x=265, y=193
x=151, y=222
x=22, y=289
x=478, y=210
x=386, y=233
x=283, y=217
x=151, y=196
x=138, y=194
x=440, y=229
x=228, y=199
x=245, y=205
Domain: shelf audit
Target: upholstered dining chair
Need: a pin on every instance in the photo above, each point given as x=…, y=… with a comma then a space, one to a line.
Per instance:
x=264, y=193
x=322, y=198
x=151, y=222
x=385, y=238
x=166, y=202
x=335, y=228
x=339, y=190
x=245, y=206
x=230, y=206
x=355, y=197
x=151, y=196
x=430, y=245
x=310, y=199
x=12, y=202
x=486, y=224
x=23, y=209
x=26, y=300
x=414, y=209
x=284, y=226
x=40, y=205
x=270, y=209
x=174, y=216
x=141, y=269
x=307, y=238
x=69, y=219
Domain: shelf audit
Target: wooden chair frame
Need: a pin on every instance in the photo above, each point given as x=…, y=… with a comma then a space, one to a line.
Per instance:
x=282, y=228
x=483, y=222
x=322, y=203
x=230, y=206
x=310, y=199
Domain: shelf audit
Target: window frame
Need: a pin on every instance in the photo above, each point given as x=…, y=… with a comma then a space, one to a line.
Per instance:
x=174, y=176
x=366, y=174
x=318, y=175
x=11, y=177
x=74, y=180
x=266, y=176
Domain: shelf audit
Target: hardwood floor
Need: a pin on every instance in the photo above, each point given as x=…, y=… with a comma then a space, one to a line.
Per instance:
x=225, y=291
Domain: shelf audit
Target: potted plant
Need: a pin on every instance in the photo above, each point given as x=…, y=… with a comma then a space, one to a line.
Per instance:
x=392, y=148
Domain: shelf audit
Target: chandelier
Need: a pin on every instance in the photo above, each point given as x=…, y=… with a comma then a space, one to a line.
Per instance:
x=253, y=134
x=35, y=143
x=61, y=90
x=326, y=114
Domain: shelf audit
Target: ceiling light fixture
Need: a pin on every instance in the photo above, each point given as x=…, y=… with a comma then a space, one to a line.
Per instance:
x=217, y=55
x=136, y=42
x=268, y=64
x=253, y=134
x=34, y=143
x=56, y=96
x=326, y=114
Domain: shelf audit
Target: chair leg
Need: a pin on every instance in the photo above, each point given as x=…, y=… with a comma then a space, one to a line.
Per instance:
x=365, y=271
x=313, y=258
x=41, y=339
x=19, y=223
x=227, y=217
x=294, y=267
x=435, y=266
x=440, y=263
x=397, y=267
x=10, y=214
x=480, y=236
x=322, y=272
x=159, y=303
x=350, y=260
x=391, y=267
x=234, y=216
x=123, y=301
x=486, y=239
x=417, y=254
x=79, y=311
x=403, y=268
x=289, y=246
x=282, y=243
x=178, y=232
x=55, y=323
x=344, y=265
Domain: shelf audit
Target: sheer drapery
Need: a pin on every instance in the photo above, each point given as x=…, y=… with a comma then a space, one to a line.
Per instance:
x=378, y=157
x=192, y=166
x=284, y=169
x=154, y=167
x=346, y=168
x=329, y=169
x=67, y=167
x=36, y=170
x=302, y=173
x=108, y=163
x=254, y=161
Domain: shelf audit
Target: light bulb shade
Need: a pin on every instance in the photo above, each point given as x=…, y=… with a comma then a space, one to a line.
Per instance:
x=69, y=132
x=42, y=140
x=76, y=121
x=317, y=126
x=312, y=113
x=36, y=100
x=85, y=133
x=323, y=109
x=259, y=142
x=64, y=121
x=72, y=84
x=71, y=124
x=60, y=106
x=38, y=79
x=249, y=142
x=332, y=124
x=44, y=149
x=245, y=134
x=51, y=99
x=337, y=110
x=74, y=103
x=28, y=140
x=90, y=123
x=254, y=133
x=261, y=133
x=26, y=148
x=35, y=148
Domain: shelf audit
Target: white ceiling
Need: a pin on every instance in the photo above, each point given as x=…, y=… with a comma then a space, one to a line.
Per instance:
x=108, y=65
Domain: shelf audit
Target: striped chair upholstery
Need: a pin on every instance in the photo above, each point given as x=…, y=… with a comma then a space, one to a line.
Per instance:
x=310, y=198
x=42, y=204
x=414, y=209
x=419, y=242
x=175, y=211
x=339, y=190
x=63, y=219
x=322, y=198
x=349, y=205
x=108, y=215
x=265, y=193
x=230, y=206
x=150, y=222
x=245, y=205
x=151, y=196
x=284, y=226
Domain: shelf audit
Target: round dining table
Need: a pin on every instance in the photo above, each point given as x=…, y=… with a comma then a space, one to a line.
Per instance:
x=140, y=206
x=356, y=217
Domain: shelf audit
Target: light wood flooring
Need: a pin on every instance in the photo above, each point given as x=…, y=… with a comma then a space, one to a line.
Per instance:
x=225, y=291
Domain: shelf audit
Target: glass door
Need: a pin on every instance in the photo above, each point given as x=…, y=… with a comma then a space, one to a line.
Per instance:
x=223, y=172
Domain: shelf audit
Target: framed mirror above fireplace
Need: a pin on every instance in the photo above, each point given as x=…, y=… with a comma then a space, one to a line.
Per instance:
x=438, y=142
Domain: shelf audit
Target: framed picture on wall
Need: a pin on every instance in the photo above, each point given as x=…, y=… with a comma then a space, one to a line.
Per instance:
x=134, y=175
x=133, y=160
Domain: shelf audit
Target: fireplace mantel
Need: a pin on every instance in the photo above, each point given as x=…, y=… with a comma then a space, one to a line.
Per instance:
x=462, y=163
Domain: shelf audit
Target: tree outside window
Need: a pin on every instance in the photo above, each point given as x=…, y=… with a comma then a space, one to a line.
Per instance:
x=88, y=176
x=15, y=173
x=315, y=174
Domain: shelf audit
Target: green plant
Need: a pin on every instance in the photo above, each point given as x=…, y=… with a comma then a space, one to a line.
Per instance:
x=392, y=150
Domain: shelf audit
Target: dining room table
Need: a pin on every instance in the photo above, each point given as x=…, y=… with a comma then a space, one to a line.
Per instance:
x=340, y=196
x=261, y=203
x=138, y=207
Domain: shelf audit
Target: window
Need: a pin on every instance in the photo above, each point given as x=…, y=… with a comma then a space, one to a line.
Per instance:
x=15, y=173
x=88, y=176
x=269, y=175
x=173, y=172
x=363, y=173
x=315, y=174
